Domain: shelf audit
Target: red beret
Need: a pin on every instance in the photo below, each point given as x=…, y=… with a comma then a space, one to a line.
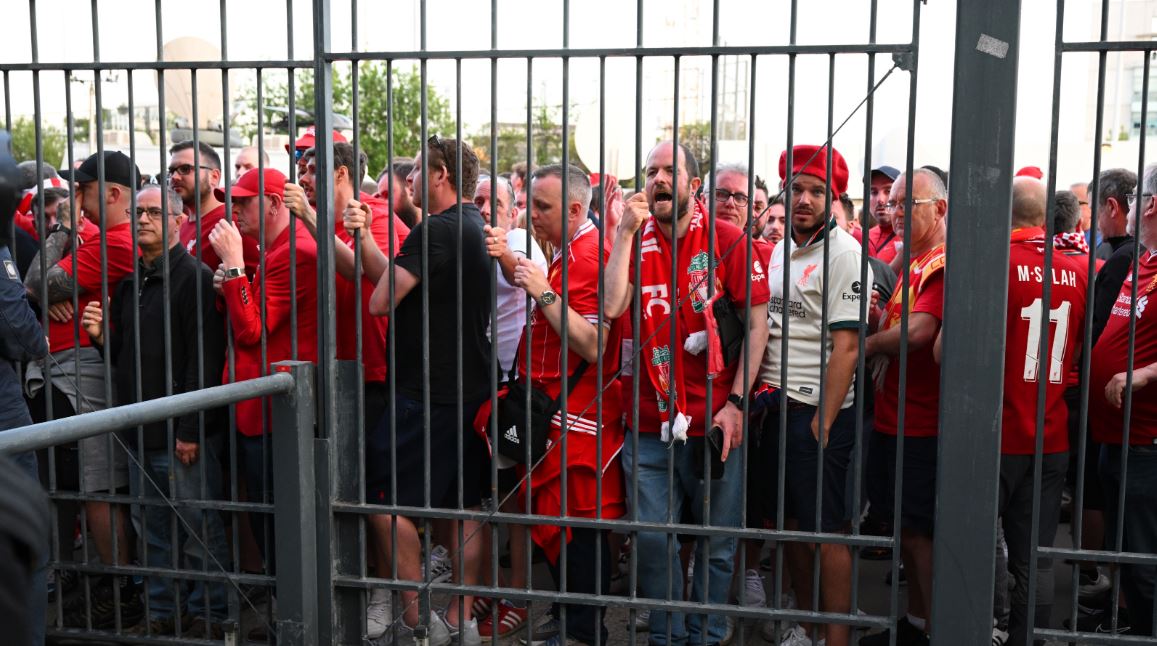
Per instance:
x=1030, y=171
x=813, y=160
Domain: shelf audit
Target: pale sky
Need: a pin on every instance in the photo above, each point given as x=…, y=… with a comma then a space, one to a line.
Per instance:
x=257, y=31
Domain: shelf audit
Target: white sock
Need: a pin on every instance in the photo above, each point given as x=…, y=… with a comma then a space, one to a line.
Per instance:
x=917, y=622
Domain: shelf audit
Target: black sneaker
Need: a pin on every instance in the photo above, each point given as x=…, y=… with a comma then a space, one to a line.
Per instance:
x=103, y=606
x=1102, y=622
x=906, y=635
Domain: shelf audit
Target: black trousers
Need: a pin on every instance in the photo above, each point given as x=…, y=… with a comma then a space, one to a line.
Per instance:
x=584, y=622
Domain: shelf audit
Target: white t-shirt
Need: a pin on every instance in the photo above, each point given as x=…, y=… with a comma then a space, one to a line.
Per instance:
x=805, y=310
x=512, y=301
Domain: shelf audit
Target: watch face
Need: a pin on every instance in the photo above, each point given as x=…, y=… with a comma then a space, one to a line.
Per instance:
x=548, y=297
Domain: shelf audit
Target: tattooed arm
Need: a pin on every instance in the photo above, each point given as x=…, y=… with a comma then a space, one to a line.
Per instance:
x=60, y=283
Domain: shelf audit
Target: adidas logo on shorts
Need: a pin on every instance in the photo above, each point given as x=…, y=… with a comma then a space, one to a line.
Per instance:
x=511, y=435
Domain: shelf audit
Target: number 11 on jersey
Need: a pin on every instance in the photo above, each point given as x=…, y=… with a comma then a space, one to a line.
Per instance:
x=1059, y=316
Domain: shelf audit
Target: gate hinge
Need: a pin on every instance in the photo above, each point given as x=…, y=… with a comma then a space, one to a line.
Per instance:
x=903, y=60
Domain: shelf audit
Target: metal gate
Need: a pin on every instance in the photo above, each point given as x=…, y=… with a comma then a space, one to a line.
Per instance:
x=330, y=554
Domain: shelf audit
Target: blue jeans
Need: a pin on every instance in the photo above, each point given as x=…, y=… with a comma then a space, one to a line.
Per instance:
x=1140, y=526
x=657, y=565
x=179, y=482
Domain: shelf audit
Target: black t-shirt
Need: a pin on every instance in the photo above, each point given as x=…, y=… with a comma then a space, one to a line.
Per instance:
x=446, y=255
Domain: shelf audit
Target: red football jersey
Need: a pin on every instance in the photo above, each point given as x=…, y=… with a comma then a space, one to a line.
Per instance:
x=1111, y=355
x=922, y=391
x=374, y=328
x=732, y=252
x=122, y=259
x=1022, y=366
x=203, y=251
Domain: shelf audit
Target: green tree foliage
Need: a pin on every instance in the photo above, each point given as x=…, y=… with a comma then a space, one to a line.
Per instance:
x=511, y=149
x=52, y=141
x=373, y=115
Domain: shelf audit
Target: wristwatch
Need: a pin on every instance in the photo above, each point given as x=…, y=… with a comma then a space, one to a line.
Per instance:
x=738, y=400
x=234, y=272
x=548, y=297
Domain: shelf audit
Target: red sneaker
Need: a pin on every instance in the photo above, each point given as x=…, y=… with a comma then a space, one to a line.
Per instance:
x=510, y=619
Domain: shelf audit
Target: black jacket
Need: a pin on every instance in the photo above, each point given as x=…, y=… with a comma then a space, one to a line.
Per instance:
x=1107, y=284
x=21, y=339
x=186, y=278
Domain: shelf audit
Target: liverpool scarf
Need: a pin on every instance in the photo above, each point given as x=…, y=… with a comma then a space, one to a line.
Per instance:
x=664, y=364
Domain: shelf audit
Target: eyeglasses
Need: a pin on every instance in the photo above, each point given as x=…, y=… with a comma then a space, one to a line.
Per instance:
x=153, y=212
x=1132, y=197
x=185, y=169
x=892, y=205
x=722, y=195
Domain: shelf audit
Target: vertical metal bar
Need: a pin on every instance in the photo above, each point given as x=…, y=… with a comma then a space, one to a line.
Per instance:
x=789, y=161
x=326, y=306
x=424, y=601
x=294, y=512
x=1094, y=197
x=858, y=447
x=636, y=311
x=673, y=334
x=1127, y=394
x=1045, y=338
x=564, y=325
x=975, y=302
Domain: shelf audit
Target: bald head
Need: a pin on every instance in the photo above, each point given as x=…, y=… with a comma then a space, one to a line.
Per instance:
x=1029, y=202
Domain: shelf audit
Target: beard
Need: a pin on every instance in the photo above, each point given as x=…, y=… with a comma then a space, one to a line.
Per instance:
x=680, y=207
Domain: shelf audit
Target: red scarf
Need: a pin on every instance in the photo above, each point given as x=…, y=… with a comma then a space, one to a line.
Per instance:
x=664, y=364
x=1071, y=241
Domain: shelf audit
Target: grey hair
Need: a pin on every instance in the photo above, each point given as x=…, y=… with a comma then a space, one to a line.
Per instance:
x=1066, y=213
x=501, y=180
x=1150, y=184
x=740, y=169
x=176, y=205
x=578, y=182
x=939, y=191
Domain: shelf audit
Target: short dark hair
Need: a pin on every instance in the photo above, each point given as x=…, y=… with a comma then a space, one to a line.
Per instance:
x=521, y=169
x=760, y=184
x=51, y=194
x=849, y=207
x=445, y=153
x=343, y=155
x=578, y=182
x=1067, y=212
x=208, y=155
x=1116, y=183
x=402, y=168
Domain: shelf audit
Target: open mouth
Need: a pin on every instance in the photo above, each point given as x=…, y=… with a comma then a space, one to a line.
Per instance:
x=663, y=197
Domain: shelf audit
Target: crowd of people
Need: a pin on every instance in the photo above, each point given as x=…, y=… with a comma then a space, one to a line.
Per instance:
x=734, y=309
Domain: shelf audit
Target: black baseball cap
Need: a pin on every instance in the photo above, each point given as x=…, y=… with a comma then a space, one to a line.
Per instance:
x=887, y=171
x=118, y=168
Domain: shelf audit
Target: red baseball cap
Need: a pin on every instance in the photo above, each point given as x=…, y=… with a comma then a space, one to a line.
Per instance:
x=1030, y=171
x=308, y=139
x=813, y=160
x=248, y=185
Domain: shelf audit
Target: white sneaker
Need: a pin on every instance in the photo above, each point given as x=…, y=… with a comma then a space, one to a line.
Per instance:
x=1090, y=587
x=468, y=631
x=378, y=613
x=755, y=596
x=796, y=637
x=999, y=637
x=643, y=620
x=438, y=633
x=441, y=566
